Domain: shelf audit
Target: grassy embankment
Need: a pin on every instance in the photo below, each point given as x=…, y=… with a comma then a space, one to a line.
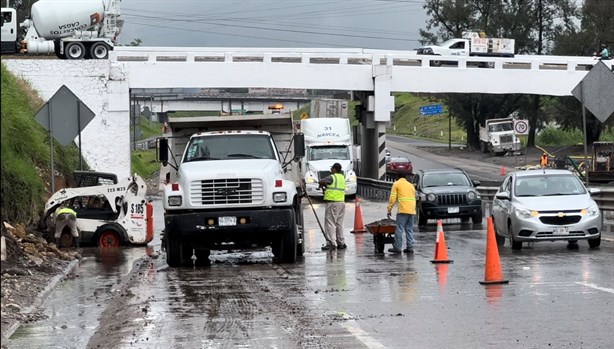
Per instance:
x=26, y=158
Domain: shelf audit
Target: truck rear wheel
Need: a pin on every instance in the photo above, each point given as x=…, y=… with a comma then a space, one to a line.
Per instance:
x=483, y=147
x=99, y=50
x=74, y=50
x=285, y=249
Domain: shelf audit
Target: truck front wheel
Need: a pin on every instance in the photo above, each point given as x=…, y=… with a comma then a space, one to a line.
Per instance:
x=175, y=252
x=284, y=250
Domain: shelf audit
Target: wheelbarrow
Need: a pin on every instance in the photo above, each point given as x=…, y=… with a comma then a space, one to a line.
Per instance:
x=383, y=233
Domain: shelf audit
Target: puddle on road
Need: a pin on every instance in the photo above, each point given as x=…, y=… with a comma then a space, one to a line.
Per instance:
x=72, y=310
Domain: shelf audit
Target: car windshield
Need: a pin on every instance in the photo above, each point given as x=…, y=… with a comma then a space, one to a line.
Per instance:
x=445, y=179
x=548, y=185
x=221, y=147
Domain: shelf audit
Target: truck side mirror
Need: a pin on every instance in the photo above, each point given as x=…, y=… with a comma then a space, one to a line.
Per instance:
x=299, y=146
x=162, y=151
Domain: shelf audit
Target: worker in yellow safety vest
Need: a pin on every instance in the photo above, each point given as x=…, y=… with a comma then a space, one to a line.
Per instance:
x=65, y=216
x=334, y=195
x=403, y=193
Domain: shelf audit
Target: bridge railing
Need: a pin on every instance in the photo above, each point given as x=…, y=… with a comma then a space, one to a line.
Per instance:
x=380, y=190
x=348, y=56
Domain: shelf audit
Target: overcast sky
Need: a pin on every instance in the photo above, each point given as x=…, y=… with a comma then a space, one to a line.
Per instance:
x=377, y=24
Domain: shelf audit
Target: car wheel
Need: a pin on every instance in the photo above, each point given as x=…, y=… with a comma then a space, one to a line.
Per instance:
x=499, y=238
x=516, y=245
x=477, y=218
x=594, y=243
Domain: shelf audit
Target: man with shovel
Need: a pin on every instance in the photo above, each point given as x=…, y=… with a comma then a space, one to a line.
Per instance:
x=334, y=195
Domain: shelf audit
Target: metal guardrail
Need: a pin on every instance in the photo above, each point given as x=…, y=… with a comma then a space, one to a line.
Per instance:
x=380, y=190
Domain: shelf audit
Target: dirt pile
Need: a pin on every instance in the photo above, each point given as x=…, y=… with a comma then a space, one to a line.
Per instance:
x=30, y=264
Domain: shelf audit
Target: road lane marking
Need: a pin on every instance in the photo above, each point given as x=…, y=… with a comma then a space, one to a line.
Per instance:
x=362, y=336
x=604, y=289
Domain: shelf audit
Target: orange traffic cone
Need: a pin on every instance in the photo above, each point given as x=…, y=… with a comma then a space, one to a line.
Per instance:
x=359, y=226
x=441, y=251
x=492, y=269
x=503, y=170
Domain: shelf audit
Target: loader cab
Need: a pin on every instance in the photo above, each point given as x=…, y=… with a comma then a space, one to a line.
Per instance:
x=92, y=178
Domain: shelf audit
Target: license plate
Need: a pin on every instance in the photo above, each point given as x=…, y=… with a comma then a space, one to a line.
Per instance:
x=227, y=220
x=453, y=210
x=560, y=231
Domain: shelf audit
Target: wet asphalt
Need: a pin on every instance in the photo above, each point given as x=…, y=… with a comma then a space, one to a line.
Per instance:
x=351, y=298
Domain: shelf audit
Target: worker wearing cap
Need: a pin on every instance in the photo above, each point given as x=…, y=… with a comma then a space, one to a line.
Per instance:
x=65, y=216
x=543, y=160
x=334, y=195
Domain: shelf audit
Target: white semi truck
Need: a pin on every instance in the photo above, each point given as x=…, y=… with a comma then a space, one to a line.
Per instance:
x=235, y=183
x=70, y=29
x=497, y=136
x=327, y=141
x=471, y=44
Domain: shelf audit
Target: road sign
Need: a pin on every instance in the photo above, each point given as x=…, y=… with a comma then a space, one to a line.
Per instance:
x=521, y=127
x=68, y=115
x=431, y=109
x=598, y=85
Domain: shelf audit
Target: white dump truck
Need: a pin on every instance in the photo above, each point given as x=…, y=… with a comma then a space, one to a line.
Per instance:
x=235, y=183
x=471, y=44
x=497, y=136
x=327, y=141
x=70, y=29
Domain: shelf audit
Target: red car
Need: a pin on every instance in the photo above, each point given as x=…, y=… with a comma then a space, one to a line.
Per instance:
x=398, y=165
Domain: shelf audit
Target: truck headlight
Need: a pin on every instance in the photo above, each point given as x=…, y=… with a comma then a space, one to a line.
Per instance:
x=431, y=197
x=352, y=179
x=279, y=197
x=310, y=180
x=174, y=200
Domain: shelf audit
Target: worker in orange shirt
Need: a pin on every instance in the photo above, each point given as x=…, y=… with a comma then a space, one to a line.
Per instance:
x=543, y=160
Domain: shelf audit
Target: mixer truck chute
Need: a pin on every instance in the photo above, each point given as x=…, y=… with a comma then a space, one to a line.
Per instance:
x=70, y=29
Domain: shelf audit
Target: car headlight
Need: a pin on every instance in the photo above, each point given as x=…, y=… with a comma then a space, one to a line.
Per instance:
x=431, y=197
x=471, y=195
x=523, y=213
x=352, y=179
x=310, y=180
x=592, y=211
x=279, y=197
x=174, y=200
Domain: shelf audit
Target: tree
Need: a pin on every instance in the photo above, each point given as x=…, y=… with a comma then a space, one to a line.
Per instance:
x=534, y=24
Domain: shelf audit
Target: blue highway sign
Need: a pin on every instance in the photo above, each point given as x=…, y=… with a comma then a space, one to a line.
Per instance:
x=431, y=109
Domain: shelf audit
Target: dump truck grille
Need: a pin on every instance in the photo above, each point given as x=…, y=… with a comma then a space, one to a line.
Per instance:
x=452, y=199
x=226, y=191
x=507, y=139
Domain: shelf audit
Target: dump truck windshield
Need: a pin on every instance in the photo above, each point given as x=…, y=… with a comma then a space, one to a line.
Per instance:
x=232, y=146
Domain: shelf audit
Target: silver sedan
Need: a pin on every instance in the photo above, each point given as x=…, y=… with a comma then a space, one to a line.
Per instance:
x=545, y=205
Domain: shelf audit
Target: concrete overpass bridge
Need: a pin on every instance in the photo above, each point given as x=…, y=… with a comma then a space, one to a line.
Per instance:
x=372, y=75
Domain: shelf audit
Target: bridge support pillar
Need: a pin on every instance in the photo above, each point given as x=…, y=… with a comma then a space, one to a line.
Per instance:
x=372, y=141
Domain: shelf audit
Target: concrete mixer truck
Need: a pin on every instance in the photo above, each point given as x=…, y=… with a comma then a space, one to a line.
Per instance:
x=85, y=29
